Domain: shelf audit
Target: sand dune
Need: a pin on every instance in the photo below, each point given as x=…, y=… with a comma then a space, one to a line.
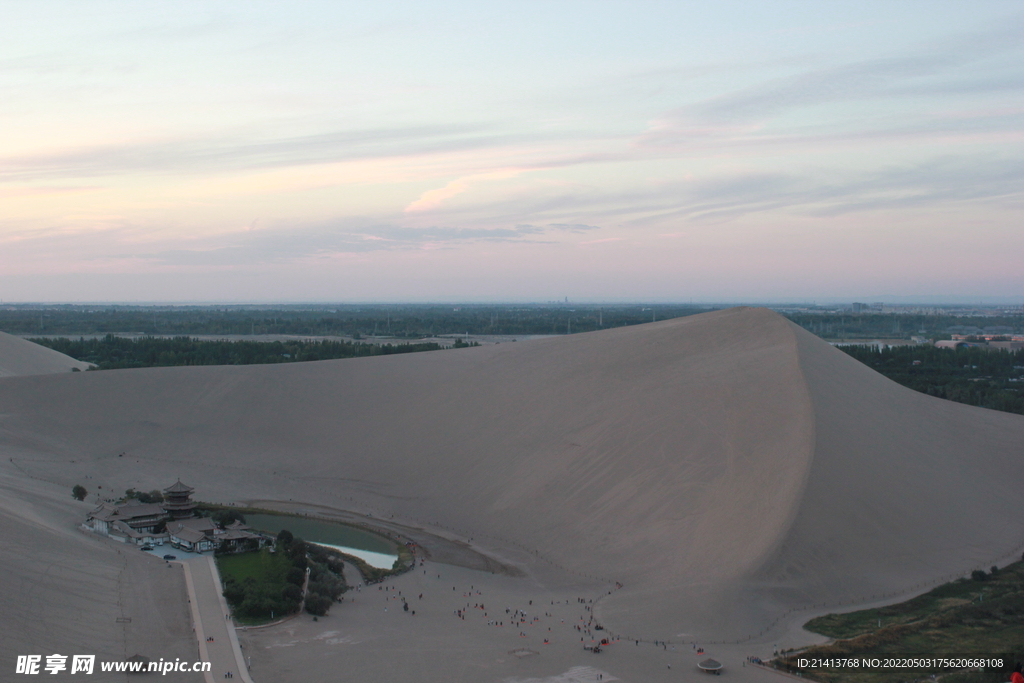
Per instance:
x=725, y=468
x=21, y=357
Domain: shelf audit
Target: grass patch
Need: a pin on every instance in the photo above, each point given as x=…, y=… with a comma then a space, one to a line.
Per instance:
x=260, y=566
x=261, y=586
x=957, y=595
x=982, y=615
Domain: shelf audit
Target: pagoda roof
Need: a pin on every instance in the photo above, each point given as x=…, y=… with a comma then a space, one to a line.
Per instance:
x=178, y=487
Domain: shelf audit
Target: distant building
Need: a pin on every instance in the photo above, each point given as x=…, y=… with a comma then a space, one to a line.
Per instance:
x=173, y=522
x=131, y=517
x=959, y=342
x=176, y=500
x=195, y=534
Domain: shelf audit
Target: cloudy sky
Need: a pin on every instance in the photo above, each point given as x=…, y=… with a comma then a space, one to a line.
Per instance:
x=511, y=151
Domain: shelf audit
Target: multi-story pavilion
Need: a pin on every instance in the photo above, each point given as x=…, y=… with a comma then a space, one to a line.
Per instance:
x=176, y=501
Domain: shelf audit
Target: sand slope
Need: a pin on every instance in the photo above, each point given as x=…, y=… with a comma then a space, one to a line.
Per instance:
x=21, y=357
x=725, y=468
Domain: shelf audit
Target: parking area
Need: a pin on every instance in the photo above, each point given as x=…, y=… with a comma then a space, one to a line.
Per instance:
x=165, y=550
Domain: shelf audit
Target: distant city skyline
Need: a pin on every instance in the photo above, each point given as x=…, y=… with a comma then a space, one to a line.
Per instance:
x=601, y=151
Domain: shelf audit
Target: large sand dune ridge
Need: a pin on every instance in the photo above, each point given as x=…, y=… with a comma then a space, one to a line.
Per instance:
x=21, y=357
x=725, y=468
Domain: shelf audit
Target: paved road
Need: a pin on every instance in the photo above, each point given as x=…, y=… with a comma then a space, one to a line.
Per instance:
x=209, y=612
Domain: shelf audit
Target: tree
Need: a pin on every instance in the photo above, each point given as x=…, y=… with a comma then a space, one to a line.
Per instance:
x=79, y=492
x=292, y=593
x=979, y=575
x=284, y=537
x=225, y=517
x=317, y=605
x=296, y=576
x=296, y=552
x=153, y=496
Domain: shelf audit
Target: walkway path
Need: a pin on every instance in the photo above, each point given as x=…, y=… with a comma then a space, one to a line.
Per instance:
x=210, y=615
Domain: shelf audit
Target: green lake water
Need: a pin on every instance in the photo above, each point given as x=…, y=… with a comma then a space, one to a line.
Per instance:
x=374, y=549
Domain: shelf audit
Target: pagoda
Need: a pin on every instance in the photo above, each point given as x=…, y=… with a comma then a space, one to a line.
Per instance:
x=176, y=501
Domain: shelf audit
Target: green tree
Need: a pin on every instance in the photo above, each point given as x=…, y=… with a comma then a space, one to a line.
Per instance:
x=79, y=492
x=317, y=605
x=225, y=517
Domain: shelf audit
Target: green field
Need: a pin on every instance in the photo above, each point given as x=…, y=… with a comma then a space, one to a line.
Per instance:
x=260, y=566
x=983, y=615
x=260, y=586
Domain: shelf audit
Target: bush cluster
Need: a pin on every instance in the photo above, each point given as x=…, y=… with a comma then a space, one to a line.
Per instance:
x=112, y=352
x=276, y=591
x=975, y=376
x=325, y=587
x=223, y=518
x=154, y=496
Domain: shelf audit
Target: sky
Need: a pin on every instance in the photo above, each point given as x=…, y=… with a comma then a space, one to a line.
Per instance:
x=512, y=151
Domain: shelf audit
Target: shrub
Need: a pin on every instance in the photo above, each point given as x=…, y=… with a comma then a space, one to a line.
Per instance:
x=234, y=593
x=296, y=576
x=226, y=517
x=317, y=604
x=296, y=552
x=292, y=593
x=153, y=496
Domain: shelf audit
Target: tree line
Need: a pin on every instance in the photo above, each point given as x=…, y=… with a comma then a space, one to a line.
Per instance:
x=111, y=352
x=975, y=376
x=406, y=321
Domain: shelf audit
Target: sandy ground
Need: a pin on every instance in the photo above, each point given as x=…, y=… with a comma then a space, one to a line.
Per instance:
x=733, y=473
x=64, y=591
x=20, y=357
x=500, y=636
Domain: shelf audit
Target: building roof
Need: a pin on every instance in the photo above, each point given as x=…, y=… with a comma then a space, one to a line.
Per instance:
x=188, y=535
x=121, y=527
x=133, y=509
x=203, y=524
x=178, y=487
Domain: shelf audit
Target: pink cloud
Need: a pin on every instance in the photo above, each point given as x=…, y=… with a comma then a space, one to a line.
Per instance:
x=432, y=199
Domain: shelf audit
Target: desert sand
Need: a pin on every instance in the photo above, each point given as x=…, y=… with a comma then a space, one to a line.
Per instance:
x=734, y=474
x=21, y=357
